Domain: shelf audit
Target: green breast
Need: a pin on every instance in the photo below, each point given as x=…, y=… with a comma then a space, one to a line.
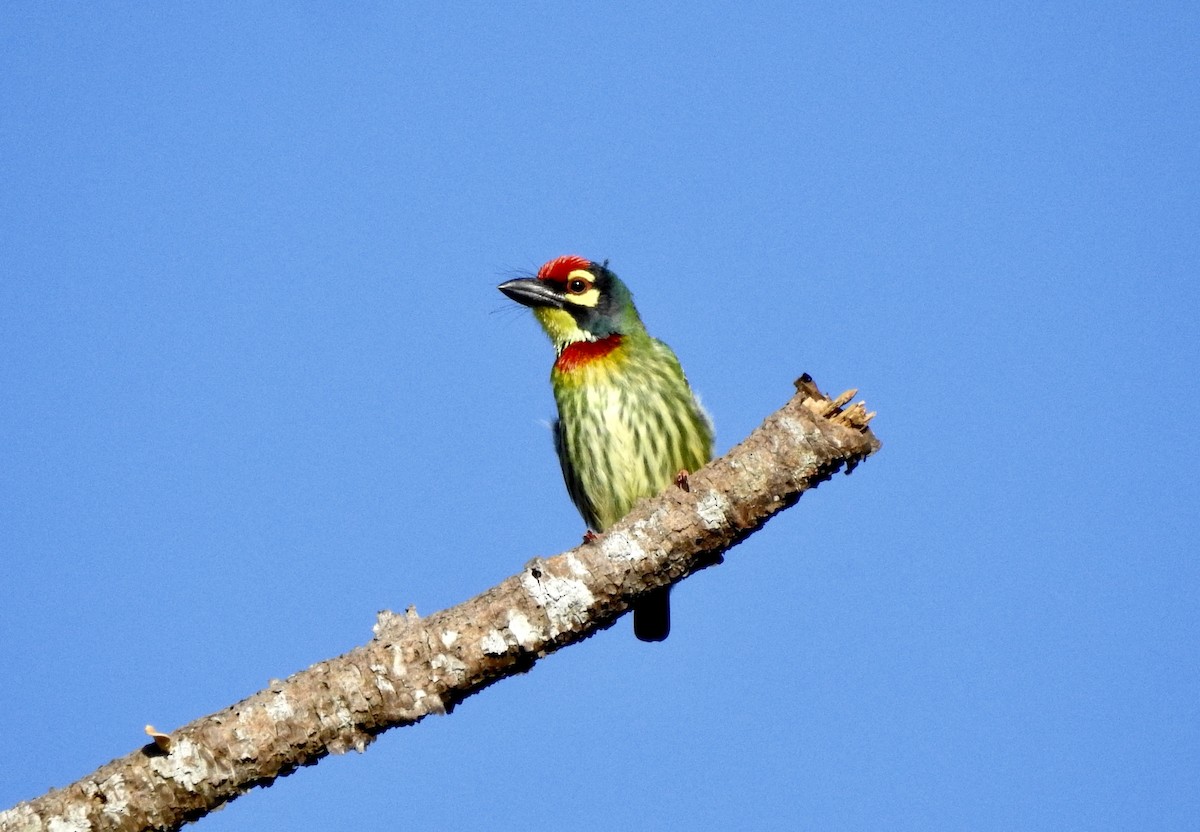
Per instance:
x=627, y=426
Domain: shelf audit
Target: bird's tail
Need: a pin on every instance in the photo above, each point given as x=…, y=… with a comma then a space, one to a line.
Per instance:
x=652, y=616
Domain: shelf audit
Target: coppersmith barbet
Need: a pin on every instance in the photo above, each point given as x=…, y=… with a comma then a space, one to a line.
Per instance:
x=628, y=422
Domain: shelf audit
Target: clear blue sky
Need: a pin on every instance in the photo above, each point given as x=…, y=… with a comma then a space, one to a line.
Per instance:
x=257, y=384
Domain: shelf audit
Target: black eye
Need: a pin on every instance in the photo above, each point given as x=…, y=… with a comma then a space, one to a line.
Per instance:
x=577, y=286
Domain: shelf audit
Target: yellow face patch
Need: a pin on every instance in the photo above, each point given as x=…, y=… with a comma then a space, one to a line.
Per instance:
x=559, y=325
x=588, y=295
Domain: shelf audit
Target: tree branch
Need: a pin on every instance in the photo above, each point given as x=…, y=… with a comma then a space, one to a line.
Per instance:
x=414, y=667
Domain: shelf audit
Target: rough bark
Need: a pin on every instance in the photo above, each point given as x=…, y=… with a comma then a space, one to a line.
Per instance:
x=416, y=666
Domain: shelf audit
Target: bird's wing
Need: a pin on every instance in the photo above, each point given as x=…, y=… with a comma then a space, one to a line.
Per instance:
x=573, y=482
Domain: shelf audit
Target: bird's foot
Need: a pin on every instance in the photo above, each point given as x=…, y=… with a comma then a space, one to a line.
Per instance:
x=681, y=479
x=589, y=536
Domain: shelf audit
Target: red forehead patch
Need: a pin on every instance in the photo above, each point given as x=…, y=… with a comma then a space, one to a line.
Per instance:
x=560, y=267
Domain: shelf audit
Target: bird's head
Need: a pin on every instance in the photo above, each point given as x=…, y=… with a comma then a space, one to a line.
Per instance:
x=575, y=300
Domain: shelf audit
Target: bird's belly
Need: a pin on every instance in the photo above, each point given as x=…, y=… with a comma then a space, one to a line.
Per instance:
x=615, y=443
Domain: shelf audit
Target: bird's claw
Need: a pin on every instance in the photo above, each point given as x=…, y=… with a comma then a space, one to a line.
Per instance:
x=681, y=479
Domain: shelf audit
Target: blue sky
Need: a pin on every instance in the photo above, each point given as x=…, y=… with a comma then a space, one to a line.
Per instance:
x=258, y=384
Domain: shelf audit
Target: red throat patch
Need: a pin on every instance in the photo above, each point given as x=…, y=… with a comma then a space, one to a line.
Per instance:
x=560, y=267
x=582, y=353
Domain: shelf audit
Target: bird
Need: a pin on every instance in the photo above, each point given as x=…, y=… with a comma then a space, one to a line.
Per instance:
x=628, y=422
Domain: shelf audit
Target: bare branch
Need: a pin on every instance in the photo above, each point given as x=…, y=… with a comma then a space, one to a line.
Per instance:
x=417, y=666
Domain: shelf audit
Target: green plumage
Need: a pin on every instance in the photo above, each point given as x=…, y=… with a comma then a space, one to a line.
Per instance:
x=628, y=421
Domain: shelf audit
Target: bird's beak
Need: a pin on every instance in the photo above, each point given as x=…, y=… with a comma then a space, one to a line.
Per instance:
x=532, y=292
